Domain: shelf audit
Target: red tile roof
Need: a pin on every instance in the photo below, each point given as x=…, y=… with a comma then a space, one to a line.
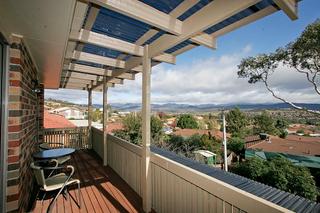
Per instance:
x=56, y=121
x=114, y=126
x=189, y=132
x=293, y=144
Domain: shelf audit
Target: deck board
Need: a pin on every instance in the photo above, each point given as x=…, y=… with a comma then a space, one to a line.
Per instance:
x=102, y=190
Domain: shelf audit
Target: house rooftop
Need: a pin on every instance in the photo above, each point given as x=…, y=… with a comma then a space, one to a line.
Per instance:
x=56, y=121
x=293, y=144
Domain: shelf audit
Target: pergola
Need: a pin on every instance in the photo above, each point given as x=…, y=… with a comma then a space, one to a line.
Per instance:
x=111, y=41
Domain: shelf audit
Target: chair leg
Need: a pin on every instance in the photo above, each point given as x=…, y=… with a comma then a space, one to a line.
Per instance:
x=79, y=196
x=54, y=201
x=44, y=195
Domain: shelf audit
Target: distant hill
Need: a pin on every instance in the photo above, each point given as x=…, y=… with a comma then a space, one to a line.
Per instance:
x=173, y=107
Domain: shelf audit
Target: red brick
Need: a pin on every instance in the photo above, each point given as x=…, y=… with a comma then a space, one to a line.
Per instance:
x=14, y=128
x=14, y=83
x=12, y=197
x=13, y=159
x=15, y=60
x=13, y=144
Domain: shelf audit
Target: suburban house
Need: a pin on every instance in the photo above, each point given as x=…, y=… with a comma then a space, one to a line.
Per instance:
x=55, y=121
x=94, y=45
x=70, y=112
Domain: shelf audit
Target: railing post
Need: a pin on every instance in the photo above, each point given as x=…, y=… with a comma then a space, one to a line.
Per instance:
x=146, y=109
x=105, y=121
x=89, y=112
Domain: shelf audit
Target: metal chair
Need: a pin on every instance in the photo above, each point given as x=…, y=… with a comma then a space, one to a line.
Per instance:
x=55, y=182
x=47, y=146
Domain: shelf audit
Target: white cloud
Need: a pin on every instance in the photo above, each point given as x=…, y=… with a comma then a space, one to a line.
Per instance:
x=211, y=80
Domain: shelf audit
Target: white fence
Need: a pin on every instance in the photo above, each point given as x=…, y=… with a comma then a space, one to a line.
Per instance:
x=177, y=188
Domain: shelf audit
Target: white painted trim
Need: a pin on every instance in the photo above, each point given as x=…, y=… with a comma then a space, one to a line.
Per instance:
x=146, y=132
x=105, y=121
x=233, y=195
x=290, y=7
x=143, y=12
x=101, y=40
x=247, y=20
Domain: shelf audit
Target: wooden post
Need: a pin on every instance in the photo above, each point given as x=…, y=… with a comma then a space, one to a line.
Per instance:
x=146, y=135
x=105, y=121
x=90, y=114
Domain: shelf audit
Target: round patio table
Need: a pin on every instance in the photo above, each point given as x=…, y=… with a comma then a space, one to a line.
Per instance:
x=53, y=153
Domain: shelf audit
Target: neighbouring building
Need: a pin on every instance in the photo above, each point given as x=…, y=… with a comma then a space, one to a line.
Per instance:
x=56, y=121
x=70, y=113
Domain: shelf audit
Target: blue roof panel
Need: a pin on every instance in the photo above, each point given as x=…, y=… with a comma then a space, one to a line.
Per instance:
x=89, y=48
x=155, y=37
x=194, y=9
x=247, y=12
x=165, y=6
x=119, y=26
x=179, y=46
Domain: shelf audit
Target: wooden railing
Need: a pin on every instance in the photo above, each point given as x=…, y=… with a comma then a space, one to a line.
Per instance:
x=177, y=188
x=77, y=137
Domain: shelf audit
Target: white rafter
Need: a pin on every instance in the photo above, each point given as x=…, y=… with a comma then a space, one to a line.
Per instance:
x=143, y=12
x=147, y=14
x=211, y=14
x=97, y=71
x=244, y=21
x=290, y=7
x=105, y=41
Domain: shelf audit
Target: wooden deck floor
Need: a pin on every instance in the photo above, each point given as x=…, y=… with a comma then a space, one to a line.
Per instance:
x=102, y=190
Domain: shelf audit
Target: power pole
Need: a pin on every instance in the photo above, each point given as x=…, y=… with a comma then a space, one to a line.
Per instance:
x=225, y=142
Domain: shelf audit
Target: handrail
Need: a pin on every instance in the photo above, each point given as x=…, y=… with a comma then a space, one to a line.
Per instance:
x=124, y=163
x=73, y=137
x=220, y=189
x=125, y=144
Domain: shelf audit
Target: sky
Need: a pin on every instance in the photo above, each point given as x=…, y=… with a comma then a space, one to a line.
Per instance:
x=206, y=76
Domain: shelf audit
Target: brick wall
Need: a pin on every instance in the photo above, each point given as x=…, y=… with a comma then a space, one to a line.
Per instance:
x=25, y=112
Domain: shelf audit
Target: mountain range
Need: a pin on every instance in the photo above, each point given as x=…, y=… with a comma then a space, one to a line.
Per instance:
x=174, y=107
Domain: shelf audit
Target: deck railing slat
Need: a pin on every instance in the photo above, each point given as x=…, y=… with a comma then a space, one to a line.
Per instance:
x=76, y=137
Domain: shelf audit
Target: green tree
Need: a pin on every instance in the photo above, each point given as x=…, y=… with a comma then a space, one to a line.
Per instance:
x=187, y=121
x=253, y=168
x=281, y=125
x=264, y=123
x=156, y=130
x=236, y=122
x=280, y=173
x=132, y=129
x=236, y=145
x=302, y=56
x=96, y=115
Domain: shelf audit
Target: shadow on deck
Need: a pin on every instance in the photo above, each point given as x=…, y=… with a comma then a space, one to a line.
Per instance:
x=102, y=190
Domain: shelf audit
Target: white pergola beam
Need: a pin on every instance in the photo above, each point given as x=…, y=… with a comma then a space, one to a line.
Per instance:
x=101, y=40
x=98, y=71
x=143, y=12
x=247, y=20
x=205, y=40
x=81, y=86
x=147, y=14
x=290, y=7
x=87, y=81
x=208, y=16
x=128, y=76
